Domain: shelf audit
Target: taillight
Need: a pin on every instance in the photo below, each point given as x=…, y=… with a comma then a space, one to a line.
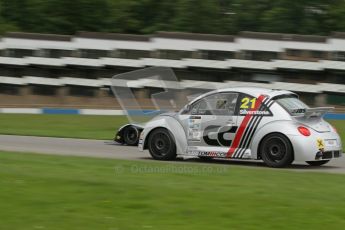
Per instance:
x=304, y=131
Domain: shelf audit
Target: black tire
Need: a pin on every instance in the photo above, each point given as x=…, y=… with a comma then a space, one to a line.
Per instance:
x=131, y=135
x=276, y=150
x=317, y=163
x=162, y=145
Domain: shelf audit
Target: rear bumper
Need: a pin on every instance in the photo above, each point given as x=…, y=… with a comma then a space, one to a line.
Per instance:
x=315, y=147
x=327, y=155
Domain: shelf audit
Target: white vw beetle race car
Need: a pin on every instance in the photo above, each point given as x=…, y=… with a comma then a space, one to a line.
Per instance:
x=240, y=123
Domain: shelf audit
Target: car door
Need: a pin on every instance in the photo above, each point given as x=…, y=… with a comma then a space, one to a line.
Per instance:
x=210, y=124
x=251, y=113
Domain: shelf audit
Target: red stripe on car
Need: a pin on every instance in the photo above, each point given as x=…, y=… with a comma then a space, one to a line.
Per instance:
x=243, y=127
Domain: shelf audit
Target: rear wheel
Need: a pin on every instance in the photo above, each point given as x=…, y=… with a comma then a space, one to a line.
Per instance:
x=317, y=163
x=162, y=145
x=131, y=135
x=276, y=150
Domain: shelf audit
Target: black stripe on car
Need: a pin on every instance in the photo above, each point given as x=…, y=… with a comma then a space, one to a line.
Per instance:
x=251, y=128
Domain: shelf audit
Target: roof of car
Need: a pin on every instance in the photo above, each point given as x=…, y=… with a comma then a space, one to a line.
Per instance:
x=253, y=91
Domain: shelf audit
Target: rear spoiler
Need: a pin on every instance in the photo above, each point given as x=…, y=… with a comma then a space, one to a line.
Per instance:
x=317, y=112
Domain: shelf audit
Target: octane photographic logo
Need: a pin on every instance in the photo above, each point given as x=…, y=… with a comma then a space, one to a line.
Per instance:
x=146, y=93
x=176, y=169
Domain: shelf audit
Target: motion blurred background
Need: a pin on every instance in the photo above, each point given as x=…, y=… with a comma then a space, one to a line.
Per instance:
x=62, y=54
x=59, y=56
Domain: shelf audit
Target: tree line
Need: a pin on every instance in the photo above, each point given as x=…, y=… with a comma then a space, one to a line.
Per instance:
x=148, y=16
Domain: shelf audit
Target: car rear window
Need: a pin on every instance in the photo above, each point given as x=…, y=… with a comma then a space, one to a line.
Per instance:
x=292, y=104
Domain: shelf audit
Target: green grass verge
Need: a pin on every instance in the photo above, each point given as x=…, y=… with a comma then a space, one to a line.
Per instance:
x=90, y=127
x=54, y=192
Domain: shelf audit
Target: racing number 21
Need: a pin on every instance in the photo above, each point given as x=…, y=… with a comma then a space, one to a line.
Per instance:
x=246, y=101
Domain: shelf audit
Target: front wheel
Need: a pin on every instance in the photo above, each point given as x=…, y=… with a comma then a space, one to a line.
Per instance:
x=162, y=145
x=317, y=163
x=276, y=150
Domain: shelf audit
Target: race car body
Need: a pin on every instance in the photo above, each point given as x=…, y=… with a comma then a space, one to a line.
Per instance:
x=244, y=123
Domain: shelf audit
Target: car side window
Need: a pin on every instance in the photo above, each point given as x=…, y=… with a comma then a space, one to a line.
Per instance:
x=221, y=104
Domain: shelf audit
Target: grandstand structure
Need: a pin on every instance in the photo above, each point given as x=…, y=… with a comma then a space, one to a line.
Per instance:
x=44, y=70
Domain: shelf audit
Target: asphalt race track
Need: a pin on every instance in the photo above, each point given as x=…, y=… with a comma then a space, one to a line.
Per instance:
x=109, y=149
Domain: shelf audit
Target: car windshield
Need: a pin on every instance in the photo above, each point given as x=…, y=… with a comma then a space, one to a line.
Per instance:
x=292, y=104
